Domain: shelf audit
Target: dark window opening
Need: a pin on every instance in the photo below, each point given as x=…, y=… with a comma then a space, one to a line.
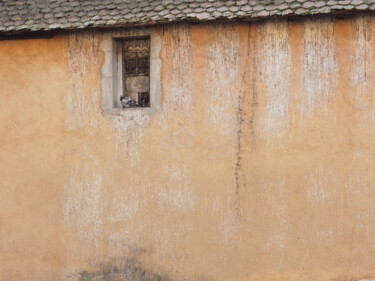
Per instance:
x=135, y=72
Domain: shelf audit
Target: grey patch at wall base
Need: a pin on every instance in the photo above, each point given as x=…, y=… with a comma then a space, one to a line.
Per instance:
x=131, y=271
x=110, y=81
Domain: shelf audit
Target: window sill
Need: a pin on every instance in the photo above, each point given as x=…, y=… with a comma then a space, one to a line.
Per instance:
x=131, y=110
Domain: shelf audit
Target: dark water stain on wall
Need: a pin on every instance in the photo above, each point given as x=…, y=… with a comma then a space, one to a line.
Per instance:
x=131, y=271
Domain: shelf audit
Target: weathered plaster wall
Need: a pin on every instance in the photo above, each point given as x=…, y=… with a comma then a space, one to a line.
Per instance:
x=259, y=164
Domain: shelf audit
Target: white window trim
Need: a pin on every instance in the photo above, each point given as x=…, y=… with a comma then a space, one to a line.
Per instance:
x=111, y=72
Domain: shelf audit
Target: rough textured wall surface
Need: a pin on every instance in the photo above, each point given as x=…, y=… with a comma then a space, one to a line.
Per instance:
x=258, y=166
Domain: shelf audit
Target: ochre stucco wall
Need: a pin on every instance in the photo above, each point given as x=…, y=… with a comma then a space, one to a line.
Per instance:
x=258, y=166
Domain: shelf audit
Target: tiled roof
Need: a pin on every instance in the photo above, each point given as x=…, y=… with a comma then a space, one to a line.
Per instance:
x=43, y=15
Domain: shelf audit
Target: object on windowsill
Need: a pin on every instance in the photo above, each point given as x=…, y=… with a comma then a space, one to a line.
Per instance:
x=127, y=102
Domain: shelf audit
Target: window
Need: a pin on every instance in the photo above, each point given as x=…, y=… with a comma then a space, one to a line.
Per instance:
x=135, y=65
x=131, y=71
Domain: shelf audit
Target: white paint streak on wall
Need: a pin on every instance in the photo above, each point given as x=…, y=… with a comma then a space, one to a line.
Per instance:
x=82, y=103
x=221, y=102
x=362, y=70
x=372, y=249
x=361, y=189
x=362, y=79
x=222, y=118
x=82, y=204
x=178, y=96
x=274, y=194
x=82, y=194
x=319, y=66
x=124, y=205
x=275, y=62
x=223, y=68
x=175, y=190
x=175, y=118
x=227, y=228
x=321, y=193
x=129, y=127
x=177, y=195
x=316, y=194
x=82, y=197
x=170, y=239
x=321, y=186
